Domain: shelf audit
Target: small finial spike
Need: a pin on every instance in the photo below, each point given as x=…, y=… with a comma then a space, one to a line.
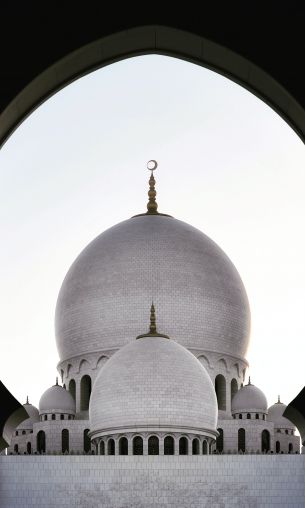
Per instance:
x=249, y=382
x=27, y=399
x=152, y=206
x=278, y=399
x=153, y=326
x=56, y=381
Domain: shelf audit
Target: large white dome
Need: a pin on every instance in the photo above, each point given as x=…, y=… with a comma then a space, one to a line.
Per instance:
x=104, y=298
x=153, y=382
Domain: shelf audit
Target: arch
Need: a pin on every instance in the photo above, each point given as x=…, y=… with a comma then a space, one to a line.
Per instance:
x=204, y=447
x=137, y=445
x=265, y=441
x=102, y=447
x=87, y=441
x=150, y=39
x=111, y=447
x=53, y=416
x=23, y=432
x=204, y=361
x=29, y=448
x=290, y=448
x=41, y=442
x=153, y=445
x=234, y=388
x=277, y=447
x=241, y=440
x=68, y=370
x=16, y=449
x=195, y=446
x=123, y=446
x=65, y=441
x=169, y=445
x=101, y=361
x=72, y=388
x=222, y=365
x=248, y=416
x=85, y=392
x=183, y=446
x=256, y=416
x=220, y=388
x=83, y=365
x=219, y=441
x=236, y=367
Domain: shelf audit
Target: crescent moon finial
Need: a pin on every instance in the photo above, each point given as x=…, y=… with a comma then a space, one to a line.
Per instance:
x=152, y=206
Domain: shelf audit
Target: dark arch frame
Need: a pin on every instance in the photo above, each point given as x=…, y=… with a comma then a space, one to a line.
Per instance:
x=241, y=445
x=151, y=39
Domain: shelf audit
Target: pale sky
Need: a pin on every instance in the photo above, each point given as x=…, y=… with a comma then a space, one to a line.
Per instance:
x=228, y=165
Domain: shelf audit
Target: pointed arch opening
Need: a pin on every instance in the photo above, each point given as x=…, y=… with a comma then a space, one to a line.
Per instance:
x=234, y=388
x=195, y=446
x=169, y=445
x=219, y=441
x=241, y=440
x=41, y=442
x=153, y=445
x=220, y=388
x=65, y=441
x=111, y=447
x=87, y=441
x=137, y=445
x=265, y=441
x=72, y=388
x=183, y=446
x=85, y=392
x=123, y=446
x=204, y=448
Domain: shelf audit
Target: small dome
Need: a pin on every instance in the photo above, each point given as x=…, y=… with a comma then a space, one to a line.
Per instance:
x=249, y=399
x=153, y=382
x=275, y=415
x=33, y=413
x=56, y=400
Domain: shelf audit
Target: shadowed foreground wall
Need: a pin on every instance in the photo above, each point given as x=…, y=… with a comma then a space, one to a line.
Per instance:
x=152, y=481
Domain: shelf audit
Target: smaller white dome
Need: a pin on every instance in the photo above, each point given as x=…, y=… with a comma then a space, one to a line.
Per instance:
x=56, y=400
x=153, y=382
x=249, y=399
x=275, y=415
x=33, y=413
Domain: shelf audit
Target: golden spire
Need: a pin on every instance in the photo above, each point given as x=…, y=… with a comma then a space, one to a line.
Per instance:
x=153, y=327
x=27, y=399
x=279, y=399
x=152, y=205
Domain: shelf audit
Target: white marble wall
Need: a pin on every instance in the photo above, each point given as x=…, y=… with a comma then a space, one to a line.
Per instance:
x=247, y=481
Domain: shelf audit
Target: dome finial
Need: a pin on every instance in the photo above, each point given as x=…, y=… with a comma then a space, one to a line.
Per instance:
x=56, y=381
x=249, y=382
x=152, y=206
x=153, y=326
x=279, y=399
x=27, y=399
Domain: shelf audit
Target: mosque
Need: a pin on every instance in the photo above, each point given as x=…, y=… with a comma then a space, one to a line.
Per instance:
x=152, y=328
x=128, y=389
